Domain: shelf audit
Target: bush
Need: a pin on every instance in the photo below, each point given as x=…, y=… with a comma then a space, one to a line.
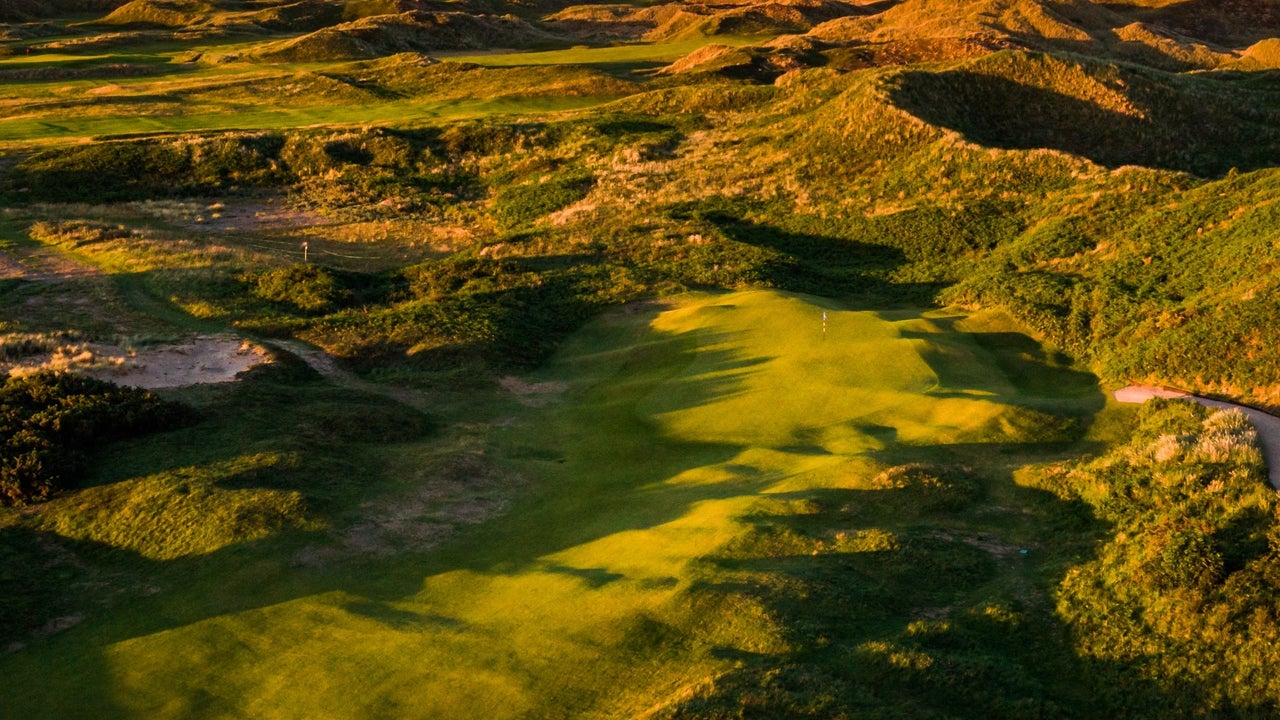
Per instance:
x=146, y=169
x=50, y=421
x=1184, y=590
x=309, y=288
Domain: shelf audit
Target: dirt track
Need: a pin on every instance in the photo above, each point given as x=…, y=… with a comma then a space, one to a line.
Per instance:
x=40, y=265
x=1267, y=425
x=323, y=363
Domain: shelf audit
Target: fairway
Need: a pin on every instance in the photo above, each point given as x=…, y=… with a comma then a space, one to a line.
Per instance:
x=619, y=584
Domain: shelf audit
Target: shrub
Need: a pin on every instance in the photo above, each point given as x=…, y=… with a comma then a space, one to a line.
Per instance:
x=309, y=288
x=520, y=204
x=50, y=421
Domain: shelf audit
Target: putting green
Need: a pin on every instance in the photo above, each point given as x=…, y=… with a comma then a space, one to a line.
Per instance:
x=590, y=597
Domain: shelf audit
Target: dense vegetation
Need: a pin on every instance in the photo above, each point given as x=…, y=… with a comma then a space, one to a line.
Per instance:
x=577, y=442
x=49, y=422
x=1181, y=592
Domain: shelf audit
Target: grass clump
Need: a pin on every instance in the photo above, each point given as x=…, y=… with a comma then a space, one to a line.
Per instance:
x=517, y=205
x=306, y=287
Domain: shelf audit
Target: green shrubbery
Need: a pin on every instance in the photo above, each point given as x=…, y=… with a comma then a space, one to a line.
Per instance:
x=516, y=205
x=139, y=170
x=309, y=288
x=49, y=422
x=1182, y=591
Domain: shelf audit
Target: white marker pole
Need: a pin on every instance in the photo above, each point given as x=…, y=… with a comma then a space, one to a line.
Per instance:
x=824, y=324
x=304, y=251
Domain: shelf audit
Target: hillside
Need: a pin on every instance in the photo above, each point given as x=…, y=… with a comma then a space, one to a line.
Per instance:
x=663, y=360
x=383, y=35
x=16, y=11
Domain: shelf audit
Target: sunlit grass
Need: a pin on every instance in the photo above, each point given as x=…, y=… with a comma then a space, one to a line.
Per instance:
x=639, y=53
x=585, y=599
x=35, y=129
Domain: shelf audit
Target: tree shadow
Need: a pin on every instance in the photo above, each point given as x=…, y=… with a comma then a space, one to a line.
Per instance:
x=902, y=602
x=612, y=488
x=1034, y=377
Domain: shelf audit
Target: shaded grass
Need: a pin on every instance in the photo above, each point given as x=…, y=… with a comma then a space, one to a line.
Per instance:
x=631, y=575
x=620, y=58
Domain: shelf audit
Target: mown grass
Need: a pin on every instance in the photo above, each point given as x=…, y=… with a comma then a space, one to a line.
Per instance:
x=34, y=130
x=194, y=98
x=625, y=58
x=691, y=458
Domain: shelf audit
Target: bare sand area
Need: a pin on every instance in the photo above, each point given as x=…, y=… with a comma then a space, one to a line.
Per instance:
x=199, y=360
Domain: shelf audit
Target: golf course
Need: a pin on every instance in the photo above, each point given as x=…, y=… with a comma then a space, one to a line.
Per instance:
x=483, y=359
x=682, y=458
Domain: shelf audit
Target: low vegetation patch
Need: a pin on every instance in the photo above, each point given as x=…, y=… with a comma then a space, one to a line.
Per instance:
x=50, y=421
x=309, y=288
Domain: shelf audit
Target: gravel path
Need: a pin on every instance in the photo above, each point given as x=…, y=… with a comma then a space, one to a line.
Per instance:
x=1267, y=425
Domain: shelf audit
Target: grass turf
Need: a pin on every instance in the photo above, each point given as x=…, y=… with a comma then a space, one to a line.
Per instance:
x=610, y=588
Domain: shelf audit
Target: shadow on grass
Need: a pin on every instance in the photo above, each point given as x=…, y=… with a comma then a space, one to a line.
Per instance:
x=1173, y=128
x=917, y=601
x=1231, y=24
x=1030, y=376
x=947, y=617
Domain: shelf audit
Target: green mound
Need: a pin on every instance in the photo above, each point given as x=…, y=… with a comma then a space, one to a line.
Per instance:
x=1153, y=47
x=216, y=16
x=1262, y=55
x=160, y=13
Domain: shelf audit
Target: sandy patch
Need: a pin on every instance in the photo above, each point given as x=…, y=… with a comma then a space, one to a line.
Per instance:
x=210, y=359
x=204, y=359
x=41, y=265
x=467, y=491
x=248, y=216
x=1143, y=393
x=985, y=543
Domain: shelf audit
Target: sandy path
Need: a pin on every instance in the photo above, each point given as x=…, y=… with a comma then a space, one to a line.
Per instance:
x=40, y=265
x=323, y=363
x=1267, y=425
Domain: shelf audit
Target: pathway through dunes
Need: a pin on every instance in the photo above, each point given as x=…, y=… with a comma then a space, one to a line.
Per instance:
x=1267, y=425
x=707, y=458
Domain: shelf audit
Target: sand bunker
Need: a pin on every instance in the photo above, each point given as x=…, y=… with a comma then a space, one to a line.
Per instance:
x=211, y=359
x=204, y=359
